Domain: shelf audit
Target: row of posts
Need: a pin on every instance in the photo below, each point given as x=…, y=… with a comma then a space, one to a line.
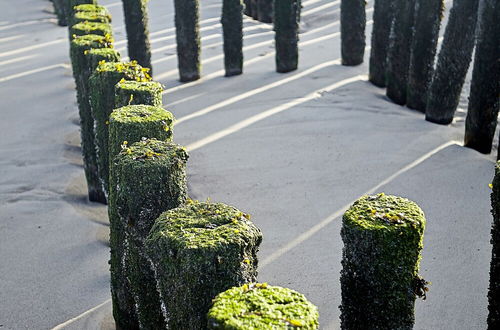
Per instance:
x=181, y=264
x=403, y=58
x=284, y=13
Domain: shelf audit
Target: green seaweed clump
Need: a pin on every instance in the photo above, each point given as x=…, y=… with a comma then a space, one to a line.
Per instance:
x=132, y=123
x=259, y=306
x=129, y=92
x=90, y=16
x=147, y=178
x=383, y=238
x=86, y=27
x=198, y=251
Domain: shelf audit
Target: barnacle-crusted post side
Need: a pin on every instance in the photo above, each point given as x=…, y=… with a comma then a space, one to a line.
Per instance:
x=383, y=237
x=265, y=10
x=398, y=60
x=453, y=62
x=129, y=92
x=59, y=9
x=232, y=26
x=248, y=8
x=286, y=26
x=102, y=99
x=494, y=289
x=84, y=28
x=147, y=178
x=131, y=123
x=187, y=32
x=255, y=9
x=352, y=31
x=428, y=15
x=383, y=14
x=82, y=69
x=197, y=252
x=260, y=306
x=136, y=24
x=71, y=4
x=484, y=101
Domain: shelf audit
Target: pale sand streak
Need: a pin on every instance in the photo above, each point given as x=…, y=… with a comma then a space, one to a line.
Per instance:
x=323, y=223
x=27, y=73
x=256, y=91
x=270, y=112
x=219, y=73
x=68, y=322
x=17, y=59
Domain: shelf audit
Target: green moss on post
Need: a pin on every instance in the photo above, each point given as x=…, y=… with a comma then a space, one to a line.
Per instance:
x=131, y=123
x=69, y=7
x=383, y=237
x=383, y=13
x=494, y=289
x=232, y=26
x=84, y=28
x=352, y=31
x=129, y=92
x=88, y=16
x=188, y=39
x=398, y=61
x=102, y=99
x=286, y=25
x=199, y=251
x=136, y=24
x=80, y=47
x=453, y=62
x=265, y=10
x=147, y=178
x=428, y=14
x=484, y=99
x=260, y=306
x=92, y=8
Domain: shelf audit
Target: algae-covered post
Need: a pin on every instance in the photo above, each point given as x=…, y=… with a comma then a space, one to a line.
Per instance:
x=147, y=178
x=131, y=123
x=82, y=69
x=494, y=290
x=232, y=26
x=129, y=92
x=428, y=15
x=265, y=10
x=286, y=26
x=383, y=15
x=69, y=7
x=352, y=31
x=136, y=24
x=383, y=237
x=90, y=13
x=199, y=251
x=272, y=307
x=102, y=99
x=398, y=60
x=187, y=31
x=453, y=62
x=60, y=11
x=484, y=99
x=83, y=28
x=87, y=16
